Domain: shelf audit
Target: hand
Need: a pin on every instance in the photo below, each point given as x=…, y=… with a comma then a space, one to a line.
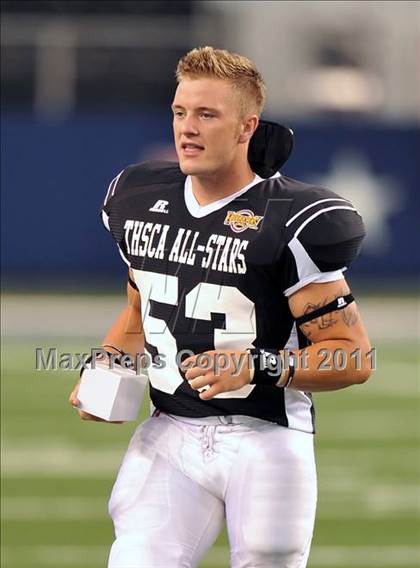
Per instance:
x=217, y=371
x=75, y=402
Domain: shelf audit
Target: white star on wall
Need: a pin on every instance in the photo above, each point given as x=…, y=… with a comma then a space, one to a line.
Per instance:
x=375, y=197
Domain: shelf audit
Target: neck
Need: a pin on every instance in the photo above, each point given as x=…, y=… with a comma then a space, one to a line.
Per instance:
x=210, y=188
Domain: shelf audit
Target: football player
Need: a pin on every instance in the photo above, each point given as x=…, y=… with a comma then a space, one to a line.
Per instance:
x=237, y=294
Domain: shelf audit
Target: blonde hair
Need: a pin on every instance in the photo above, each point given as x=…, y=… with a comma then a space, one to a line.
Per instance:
x=222, y=64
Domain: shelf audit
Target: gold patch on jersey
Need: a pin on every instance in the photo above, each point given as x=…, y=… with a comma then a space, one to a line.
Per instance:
x=241, y=220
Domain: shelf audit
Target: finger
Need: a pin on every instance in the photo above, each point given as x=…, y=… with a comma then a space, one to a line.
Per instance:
x=188, y=362
x=210, y=393
x=84, y=415
x=74, y=401
x=201, y=381
x=194, y=372
x=91, y=417
x=74, y=393
x=194, y=357
x=204, y=360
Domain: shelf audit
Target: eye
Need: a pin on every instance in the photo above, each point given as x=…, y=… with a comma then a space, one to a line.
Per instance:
x=178, y=113
x=206, y=115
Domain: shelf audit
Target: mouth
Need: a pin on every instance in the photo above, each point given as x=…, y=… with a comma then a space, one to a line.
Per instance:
x=191, y=149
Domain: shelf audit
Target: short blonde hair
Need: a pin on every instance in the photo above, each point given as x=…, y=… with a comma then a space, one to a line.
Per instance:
x=222, y=64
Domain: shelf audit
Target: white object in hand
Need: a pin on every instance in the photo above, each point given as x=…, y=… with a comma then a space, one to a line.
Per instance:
x=111, y=394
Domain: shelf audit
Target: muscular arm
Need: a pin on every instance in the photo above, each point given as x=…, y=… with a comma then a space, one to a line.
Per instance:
x=341, y=329
x=126, y=332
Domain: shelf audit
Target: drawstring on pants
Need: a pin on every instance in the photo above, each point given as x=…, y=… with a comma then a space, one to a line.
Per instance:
x=207, y=440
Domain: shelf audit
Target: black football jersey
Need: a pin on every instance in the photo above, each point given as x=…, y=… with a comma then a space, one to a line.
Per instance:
x=219, y=276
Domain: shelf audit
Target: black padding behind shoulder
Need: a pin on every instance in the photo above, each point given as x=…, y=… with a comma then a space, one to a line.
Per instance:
x=269, y=148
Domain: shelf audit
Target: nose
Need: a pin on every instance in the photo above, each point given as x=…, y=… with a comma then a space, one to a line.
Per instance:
x=189, y=126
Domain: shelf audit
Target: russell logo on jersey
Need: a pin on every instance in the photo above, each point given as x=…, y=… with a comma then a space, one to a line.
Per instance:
x=161, y=206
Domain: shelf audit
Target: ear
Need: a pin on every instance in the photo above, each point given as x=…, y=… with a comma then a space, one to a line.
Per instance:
x=247, y=128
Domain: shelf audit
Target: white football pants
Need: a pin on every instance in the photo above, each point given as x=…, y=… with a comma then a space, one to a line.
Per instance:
x=181, y=478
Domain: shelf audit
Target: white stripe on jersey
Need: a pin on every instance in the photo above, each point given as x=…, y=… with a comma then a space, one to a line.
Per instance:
x=112, y=187
x=320, y=278
x=312, y=217
x=105, y=220
x=307, y=270
x=123, y=257
x=305, y=266
x=297, y=403
x=299, y=213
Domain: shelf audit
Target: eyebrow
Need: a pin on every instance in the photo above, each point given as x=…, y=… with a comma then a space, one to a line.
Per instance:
x=199, y=108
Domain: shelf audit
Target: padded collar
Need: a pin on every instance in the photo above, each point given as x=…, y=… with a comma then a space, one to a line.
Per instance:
x=269, y=148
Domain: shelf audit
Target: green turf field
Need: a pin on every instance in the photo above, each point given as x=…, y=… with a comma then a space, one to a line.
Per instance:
x=58, y=471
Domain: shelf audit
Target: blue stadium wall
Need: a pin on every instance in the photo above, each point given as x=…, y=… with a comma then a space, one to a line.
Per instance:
x=55, y=174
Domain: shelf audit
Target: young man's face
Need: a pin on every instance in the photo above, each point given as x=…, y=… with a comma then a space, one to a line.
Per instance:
x=206, y=125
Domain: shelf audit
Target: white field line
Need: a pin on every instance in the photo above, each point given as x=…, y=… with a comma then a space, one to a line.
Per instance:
x=364, y=501
x=337, y=476
x=53, y=508
x=67, y=461
x=62, y=316
x=90, y=509
x=370, y=502
x=60, y=462
x=335, y=556
x=349, y=483
x=71, y=315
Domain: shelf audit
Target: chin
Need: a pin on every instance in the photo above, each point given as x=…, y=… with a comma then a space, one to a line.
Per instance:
x=189, y=169
x=186, y=169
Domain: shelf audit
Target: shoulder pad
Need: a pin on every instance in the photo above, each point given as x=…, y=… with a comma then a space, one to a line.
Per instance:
x=329, y=228
x=334, y=238
x=306, y=198
x=143, y=174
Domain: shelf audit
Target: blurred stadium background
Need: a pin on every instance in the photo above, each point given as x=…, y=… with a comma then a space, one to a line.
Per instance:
x=86, y=88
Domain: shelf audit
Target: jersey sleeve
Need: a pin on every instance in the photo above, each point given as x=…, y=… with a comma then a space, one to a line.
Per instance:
x=109, y=204
x=113, y=188
x=323, y=240
x=135, y=178
x=124, y=191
